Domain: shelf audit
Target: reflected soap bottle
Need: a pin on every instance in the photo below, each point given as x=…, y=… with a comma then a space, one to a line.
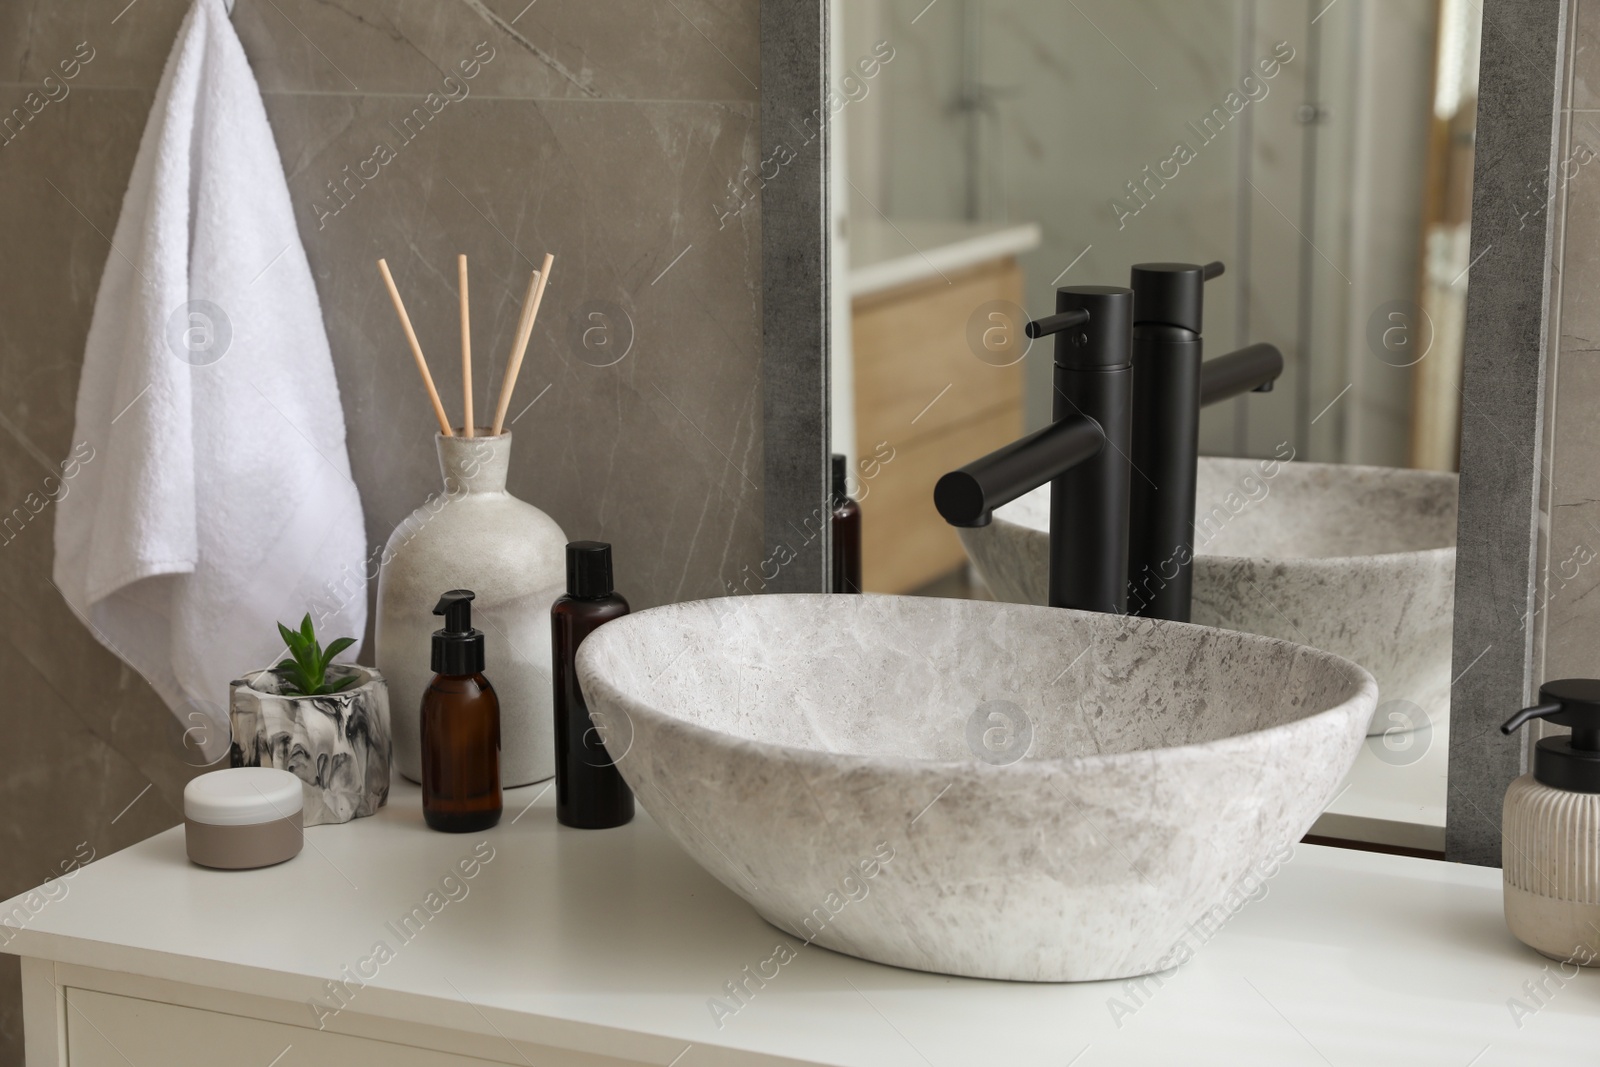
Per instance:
x=846, y=532
x=460, y=727
x=590, y=792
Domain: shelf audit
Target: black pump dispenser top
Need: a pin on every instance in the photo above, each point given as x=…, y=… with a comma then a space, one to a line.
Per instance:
x=1570, y=763
x=841, y=480
x=589, y=570
x=458, y=648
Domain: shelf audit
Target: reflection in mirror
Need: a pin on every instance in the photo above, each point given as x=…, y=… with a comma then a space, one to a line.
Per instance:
x=988, y=152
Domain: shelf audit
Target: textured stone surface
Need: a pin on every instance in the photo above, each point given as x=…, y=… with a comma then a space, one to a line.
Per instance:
x=1358, y=561
x=339, y=744
x=993, y=790
x=472, y=534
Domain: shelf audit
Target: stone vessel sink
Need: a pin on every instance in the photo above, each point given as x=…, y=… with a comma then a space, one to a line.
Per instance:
x=1359, y=561
x=980, y=789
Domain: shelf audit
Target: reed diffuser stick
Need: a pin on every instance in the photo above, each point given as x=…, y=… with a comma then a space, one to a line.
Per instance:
x=466, y=346
x=519, y=341
x=416, y=349
x=530, y=312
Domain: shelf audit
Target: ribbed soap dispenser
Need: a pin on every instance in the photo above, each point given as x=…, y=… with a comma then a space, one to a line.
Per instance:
x=1550, y=829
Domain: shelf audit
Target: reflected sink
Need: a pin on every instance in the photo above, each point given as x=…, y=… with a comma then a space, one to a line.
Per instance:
x=980, y=789
x=1359, y=561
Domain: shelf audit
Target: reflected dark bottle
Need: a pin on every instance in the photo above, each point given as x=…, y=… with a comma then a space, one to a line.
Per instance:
x=460, y=727
x=590, y=792
x=846, y=533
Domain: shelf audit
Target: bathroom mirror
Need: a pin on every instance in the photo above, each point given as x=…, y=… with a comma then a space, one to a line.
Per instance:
x=984, y=152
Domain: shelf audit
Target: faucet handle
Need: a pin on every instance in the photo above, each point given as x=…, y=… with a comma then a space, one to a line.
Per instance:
x=1066, y=320
x=1172, y=294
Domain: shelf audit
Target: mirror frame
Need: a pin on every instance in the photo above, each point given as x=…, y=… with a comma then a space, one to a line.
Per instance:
x=794, y=293
x=1520, y=135
x=1523, y=123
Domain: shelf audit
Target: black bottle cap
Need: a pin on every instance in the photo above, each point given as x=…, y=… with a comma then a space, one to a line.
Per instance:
x=458, y=648
x=589, y=570
x=1571, y=763
x=841, y=481
x=1171, y=294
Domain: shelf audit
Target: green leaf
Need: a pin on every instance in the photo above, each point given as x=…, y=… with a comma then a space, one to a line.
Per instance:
x=307, y=670
x=342, y=683
x=305, y=660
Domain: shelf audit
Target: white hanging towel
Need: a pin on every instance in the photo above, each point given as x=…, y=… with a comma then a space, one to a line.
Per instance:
x=217, y=498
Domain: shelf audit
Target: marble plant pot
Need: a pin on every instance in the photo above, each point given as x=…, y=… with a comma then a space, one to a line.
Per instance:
x=337, y=743
x=1357, y=561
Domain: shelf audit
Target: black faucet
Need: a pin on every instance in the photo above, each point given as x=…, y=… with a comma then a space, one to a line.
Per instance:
x=1170, y=386
x=1122, y=450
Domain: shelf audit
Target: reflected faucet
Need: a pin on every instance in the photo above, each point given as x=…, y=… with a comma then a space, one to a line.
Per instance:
x=1129, y=386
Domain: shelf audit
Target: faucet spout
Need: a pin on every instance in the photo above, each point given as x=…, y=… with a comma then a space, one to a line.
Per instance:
x=1251, y=369
x=968, y=497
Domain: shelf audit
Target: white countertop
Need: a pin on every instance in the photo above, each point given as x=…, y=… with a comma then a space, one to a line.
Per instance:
x=614, y=941
x=885, y=254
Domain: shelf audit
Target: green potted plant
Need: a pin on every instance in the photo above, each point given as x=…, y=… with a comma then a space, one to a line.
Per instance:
x=326, y=722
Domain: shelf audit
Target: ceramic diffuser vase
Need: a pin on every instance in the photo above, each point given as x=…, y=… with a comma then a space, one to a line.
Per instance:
x=476, y=536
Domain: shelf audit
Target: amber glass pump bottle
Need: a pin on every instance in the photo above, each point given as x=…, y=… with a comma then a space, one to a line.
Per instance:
x=460, y=727
x=590, y=792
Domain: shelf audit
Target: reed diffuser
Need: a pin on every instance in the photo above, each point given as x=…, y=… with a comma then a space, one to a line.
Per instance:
x=474, y=535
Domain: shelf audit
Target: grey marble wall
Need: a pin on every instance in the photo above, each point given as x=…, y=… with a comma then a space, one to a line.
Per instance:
x=605, y=133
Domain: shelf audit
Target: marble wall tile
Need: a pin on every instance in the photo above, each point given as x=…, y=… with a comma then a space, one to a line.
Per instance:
x=605, y=134
x=1586, y=55
x=129, y=41
x=563, y=49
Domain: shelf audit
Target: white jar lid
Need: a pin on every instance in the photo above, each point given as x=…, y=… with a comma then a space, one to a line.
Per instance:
x=243, y=796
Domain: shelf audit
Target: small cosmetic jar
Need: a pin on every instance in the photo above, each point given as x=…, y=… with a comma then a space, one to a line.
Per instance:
x=243, y=817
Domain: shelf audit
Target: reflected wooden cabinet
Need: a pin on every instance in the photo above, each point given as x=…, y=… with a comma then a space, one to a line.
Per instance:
x=924, y=391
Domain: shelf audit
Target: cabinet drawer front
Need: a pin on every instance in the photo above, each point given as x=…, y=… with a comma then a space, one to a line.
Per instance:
x=107, y=1030
x=904, y=542
x=912, y=346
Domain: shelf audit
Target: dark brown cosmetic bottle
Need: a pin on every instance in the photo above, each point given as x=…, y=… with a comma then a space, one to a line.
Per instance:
x=846, y=533
x=590, y=792
x=460, y=727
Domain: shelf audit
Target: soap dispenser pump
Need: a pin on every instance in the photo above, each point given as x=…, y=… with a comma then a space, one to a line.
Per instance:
x=1550, y=833
x=460, y=726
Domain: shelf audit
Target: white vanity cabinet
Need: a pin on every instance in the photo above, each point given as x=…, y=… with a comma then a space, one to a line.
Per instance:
x=567, y=948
